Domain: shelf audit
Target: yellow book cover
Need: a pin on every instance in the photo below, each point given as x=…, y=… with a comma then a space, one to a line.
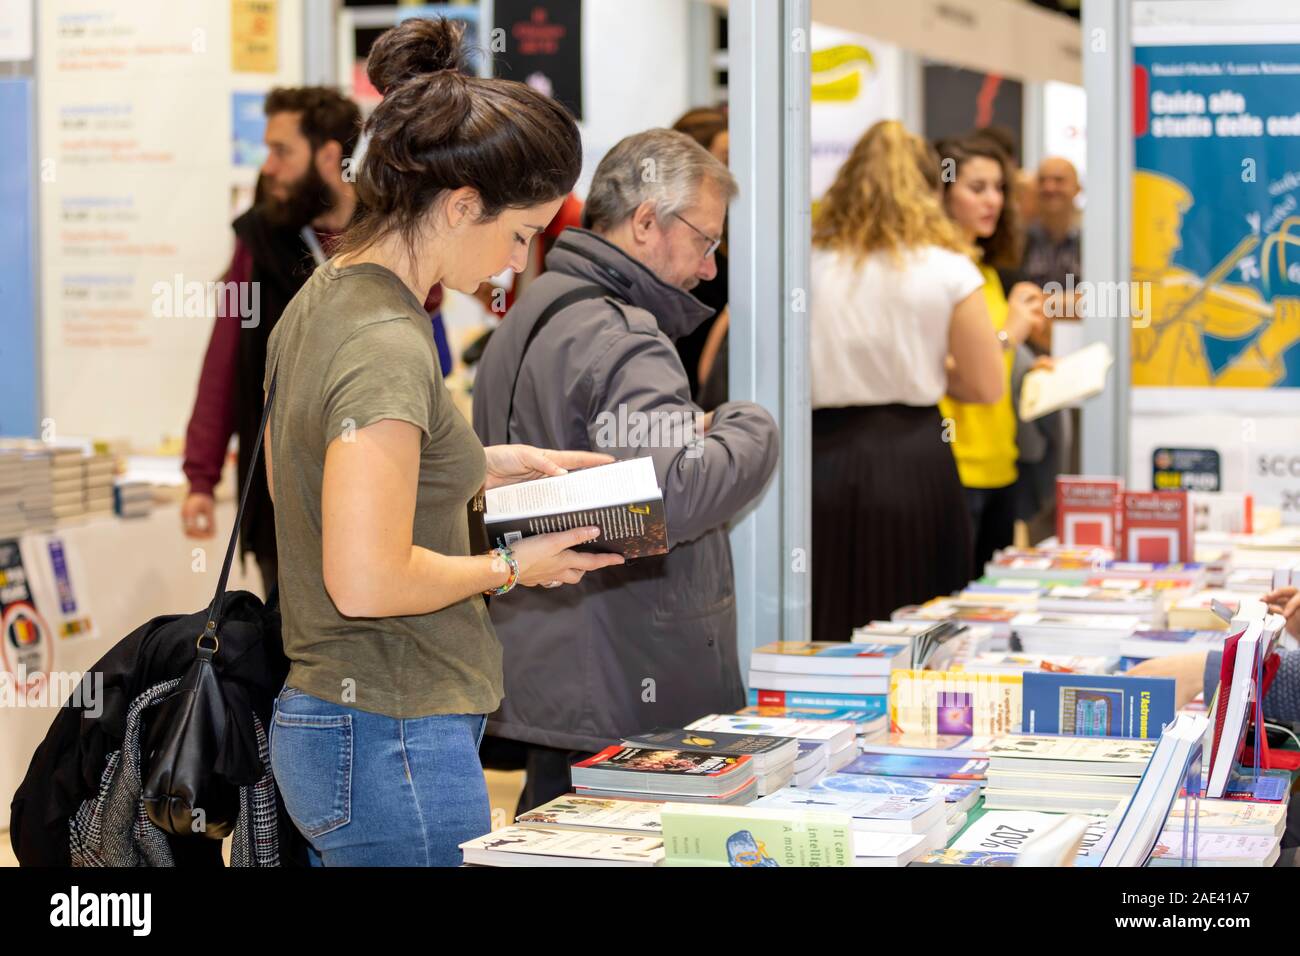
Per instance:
x=932, y=703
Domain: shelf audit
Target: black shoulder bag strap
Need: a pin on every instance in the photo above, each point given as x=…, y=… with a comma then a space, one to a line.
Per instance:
x=217, y=607
x=581, y=294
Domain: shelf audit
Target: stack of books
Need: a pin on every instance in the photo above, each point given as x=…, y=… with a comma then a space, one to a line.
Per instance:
x=826, y=674
x=932, y=645
x=839, y=738
x=1064, y=774
x=1232, y=710
x=959, y=796
x=37, y=500
x=68, y=483
x=98, y=471
x=1174, y=760
x=773, y=757
x=652, y=774
x=998, y=838
x=880, y=817
x=1040, y=632
x=995, y=617
x=1229, y=833
x=1097, y=705
x=1009, y=663
x=12, y=521
x=754, y=837
x=132, y=499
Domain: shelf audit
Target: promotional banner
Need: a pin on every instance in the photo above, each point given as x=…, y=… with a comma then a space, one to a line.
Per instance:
x=856, y=81
x=1216, y=216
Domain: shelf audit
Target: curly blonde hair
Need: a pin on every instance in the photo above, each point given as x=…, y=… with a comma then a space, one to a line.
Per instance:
x=886, y=197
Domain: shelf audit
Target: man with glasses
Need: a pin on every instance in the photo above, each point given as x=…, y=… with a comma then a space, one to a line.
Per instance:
x=585, y=359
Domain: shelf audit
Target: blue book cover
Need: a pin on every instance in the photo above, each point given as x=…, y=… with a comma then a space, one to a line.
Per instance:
x=1097, y=705
x=874, y=705
x=902, y=765
x=854, y=783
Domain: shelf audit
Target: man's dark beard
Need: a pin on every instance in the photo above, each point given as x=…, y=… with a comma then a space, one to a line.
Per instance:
x=309, y=198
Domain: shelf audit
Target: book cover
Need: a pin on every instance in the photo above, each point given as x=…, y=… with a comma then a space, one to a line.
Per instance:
x=834, y=731
x=1097, y=705
x=666, y=771
x=590, y=813
x=1157, y=527
x=716, y=742
x=623, y=499
x=951, y=857
x=1088, y=511
x=1123, y=757
x=1007, y=831
x=865, y=807
x=960, y=703
x=901, y=765
x=750, y=837
x=846, y=714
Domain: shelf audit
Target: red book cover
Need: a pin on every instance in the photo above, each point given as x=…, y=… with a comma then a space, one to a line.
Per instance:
x=1088, y=511
x=1226, y=665
x=1157, y=527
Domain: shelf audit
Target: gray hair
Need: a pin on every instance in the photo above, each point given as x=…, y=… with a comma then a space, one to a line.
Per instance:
x=661, y=166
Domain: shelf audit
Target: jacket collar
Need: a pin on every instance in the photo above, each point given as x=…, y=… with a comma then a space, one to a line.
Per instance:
x=585, y=255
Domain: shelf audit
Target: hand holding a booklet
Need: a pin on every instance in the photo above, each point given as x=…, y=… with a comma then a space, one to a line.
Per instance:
x=510, y=464
x=548, y=559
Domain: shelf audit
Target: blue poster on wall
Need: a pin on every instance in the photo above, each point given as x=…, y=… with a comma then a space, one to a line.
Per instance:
x=1216, y=216
x=247, y=128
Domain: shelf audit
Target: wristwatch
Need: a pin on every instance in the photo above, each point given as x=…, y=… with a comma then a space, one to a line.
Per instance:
x=1005, y=339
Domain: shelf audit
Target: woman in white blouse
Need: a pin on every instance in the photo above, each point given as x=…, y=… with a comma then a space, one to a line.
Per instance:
x=898, y=321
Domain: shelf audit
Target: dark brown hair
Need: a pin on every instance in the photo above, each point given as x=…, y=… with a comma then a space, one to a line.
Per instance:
x=1002, y=249
x=325, y=114
x=439, y=129
x=703, y=124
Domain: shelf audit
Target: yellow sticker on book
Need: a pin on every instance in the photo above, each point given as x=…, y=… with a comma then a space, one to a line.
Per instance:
x=639, y=509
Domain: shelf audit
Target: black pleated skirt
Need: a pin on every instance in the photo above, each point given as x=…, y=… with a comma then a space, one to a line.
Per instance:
x=890, y=524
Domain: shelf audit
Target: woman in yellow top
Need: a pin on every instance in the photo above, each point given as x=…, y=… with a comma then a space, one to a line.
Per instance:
x=983, y=436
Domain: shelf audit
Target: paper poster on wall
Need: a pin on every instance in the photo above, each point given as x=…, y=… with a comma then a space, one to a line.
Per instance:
x=1273, y=478
x=253, y=36
x=1216, y=216
x=856, y=82
x=25, y=645
x=958, y=100
x=1185, y=469
x=543, y=47
x=58, y=586
x=135, y=196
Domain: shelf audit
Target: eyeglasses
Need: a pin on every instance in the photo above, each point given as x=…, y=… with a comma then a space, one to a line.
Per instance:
x=713, y=243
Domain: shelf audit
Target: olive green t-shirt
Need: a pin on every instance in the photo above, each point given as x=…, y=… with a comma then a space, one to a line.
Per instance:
x=353, y=347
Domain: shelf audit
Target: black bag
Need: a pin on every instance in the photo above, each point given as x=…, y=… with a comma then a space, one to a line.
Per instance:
x=183, y=794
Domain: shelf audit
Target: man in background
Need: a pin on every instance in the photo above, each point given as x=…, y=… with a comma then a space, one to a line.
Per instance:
x=305, y=200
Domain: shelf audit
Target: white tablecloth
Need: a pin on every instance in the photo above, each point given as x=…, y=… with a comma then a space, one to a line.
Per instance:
x=135, y=569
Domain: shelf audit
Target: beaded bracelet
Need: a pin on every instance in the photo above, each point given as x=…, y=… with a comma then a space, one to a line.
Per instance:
x=506, y=555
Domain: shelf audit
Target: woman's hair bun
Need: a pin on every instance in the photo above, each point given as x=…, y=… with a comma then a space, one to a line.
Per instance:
x=415, y=48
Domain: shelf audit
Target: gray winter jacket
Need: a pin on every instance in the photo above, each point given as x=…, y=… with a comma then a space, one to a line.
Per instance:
x=651, y=643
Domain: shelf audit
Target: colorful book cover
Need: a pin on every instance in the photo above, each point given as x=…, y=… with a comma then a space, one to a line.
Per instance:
x=1088, y=512
x=1007, y=831
x=673, y=763
x=616, y=848
x=1157, y=527
x=828, y=657
x=751, y=837
x=901, y=765
x=714, y=742
x=959, y=703
x=950, y=790
x=874, y=704
x=1097, y=705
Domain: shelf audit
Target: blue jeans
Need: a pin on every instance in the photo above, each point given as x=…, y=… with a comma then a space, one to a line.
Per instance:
x=370, y=790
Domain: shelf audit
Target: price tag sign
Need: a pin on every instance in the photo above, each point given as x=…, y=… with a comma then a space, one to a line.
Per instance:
x=1273, y=476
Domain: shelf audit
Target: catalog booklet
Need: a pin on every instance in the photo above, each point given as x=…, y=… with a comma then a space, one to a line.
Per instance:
x=622, y=499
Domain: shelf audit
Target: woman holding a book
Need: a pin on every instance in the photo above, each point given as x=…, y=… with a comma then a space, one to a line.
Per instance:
x=393, y=661
x=977, y=171
x=898, y=319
